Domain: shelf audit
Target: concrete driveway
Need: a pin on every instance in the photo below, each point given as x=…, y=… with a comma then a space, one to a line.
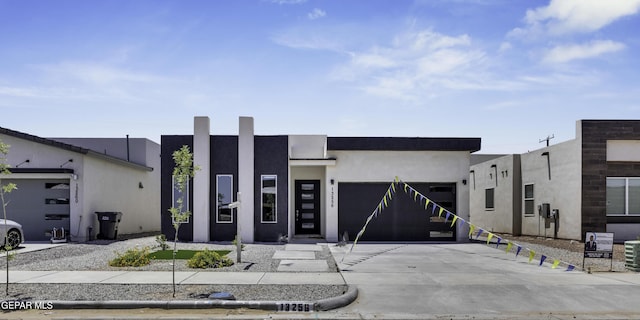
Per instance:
x=460, y=280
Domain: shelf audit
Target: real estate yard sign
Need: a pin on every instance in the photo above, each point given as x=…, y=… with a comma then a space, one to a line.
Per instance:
x=598, y=245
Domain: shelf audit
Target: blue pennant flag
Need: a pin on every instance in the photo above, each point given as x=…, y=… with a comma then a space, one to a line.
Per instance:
x=570, y=267
x=518, y=251
x=433, y=209
x=375, y=213
x=479, y=233
x=498, y=242
x=542, y=258
x=446, y=218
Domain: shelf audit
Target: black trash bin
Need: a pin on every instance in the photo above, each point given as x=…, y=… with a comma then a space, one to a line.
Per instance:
x=108, y=224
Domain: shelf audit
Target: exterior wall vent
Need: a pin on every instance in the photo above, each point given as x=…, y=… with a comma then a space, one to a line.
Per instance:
x=632, y=255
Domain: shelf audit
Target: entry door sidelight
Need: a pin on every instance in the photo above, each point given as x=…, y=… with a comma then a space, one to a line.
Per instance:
x=307, y=212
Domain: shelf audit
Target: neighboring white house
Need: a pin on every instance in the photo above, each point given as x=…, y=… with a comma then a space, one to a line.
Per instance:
x=588, y=184
x=63, y=182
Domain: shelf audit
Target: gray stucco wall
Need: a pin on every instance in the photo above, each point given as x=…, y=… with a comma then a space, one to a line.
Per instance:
x=504, y=178
x=557, y=180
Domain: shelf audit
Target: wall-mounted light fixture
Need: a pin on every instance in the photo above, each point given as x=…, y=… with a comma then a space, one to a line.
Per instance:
x=68, y=161
x=332, y=181
x=496, y=169
x=140, y=186
x=23, y=162
x=473, y=175
x=546, y=153
x=464, y=182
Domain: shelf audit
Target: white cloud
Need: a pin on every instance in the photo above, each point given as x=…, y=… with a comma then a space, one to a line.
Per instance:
x=575, y=16
x=316, y=14
x=505, y=46
x=416, y=65
x=287, y=1
x=566, y=53
x=98, y=73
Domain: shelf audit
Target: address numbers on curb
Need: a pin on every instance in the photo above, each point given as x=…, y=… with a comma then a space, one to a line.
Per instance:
x=295, y=306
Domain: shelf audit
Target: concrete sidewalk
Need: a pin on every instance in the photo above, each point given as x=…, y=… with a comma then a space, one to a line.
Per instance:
x=165, y=277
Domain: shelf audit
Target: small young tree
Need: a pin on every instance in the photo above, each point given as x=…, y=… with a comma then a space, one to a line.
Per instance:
x=183, y=171
x=4, y=189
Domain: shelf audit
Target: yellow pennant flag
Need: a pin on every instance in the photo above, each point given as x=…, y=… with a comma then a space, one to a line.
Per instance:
x=385, y=200
x=426, y=204
x=471, y=228
x=389, y=193
x=397, y=179
x=405, y=188
x=509, y=245
x=531, y=255
x=555, y=264
x=415, y=196
x=379, y=206
x=440, y=212
x=489, y=237
x=393, y=186
x=454, y=220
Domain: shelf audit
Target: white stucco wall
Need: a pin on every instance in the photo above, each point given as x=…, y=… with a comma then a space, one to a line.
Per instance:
x=409, y=166
x=100, y=185
x=108, y=186
x=307, y=146
x=483, y=177
x=562, y=191
x=623, y=150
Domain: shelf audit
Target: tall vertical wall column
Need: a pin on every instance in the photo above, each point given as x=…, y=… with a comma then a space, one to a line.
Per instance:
x=201, y=181
x=246, y=179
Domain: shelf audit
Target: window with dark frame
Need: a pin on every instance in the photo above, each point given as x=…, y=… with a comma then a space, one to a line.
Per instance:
x=269, y=201
x=529, y=199
x=623, y=196
x=224, y=197
x=176, y=194
x=489, y=199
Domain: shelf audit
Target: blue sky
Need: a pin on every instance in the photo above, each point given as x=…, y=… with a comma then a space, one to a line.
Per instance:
x=509, y=72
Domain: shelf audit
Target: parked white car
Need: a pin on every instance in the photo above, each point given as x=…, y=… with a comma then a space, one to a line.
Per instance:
x=13, y=232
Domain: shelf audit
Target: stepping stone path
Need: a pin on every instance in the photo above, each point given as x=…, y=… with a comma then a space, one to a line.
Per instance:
x=300, y=258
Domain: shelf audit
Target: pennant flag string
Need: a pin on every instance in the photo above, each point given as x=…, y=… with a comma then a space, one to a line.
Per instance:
x=454, y=220
x=542, y=259
x=388, y=196
x=371, y=216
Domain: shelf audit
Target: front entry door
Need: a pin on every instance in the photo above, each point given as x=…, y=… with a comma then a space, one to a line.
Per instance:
x=307, y=213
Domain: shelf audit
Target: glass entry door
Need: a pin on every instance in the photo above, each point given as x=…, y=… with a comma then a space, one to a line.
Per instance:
x=307, y=207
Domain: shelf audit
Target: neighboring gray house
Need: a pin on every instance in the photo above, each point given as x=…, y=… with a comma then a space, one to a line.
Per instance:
x=316, y=186
x=591, y=183
x=62, y=182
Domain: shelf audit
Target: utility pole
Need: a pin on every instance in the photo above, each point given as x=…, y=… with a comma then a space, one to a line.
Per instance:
x=547, y=139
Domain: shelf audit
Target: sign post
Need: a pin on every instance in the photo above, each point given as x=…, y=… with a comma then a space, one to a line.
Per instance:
x=598, y=245
x=232, y=206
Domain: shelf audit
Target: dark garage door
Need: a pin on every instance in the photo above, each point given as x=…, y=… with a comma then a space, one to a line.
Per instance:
x=39, y=205
x=402, y=220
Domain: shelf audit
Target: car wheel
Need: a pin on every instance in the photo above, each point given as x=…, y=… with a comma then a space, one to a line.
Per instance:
x=13, y=238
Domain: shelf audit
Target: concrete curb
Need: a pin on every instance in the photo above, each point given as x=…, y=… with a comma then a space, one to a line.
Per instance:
x=287, y=306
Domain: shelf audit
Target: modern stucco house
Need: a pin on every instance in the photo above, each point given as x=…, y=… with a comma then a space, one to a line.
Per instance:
x=62, y=182
x=314, y=185
x=588, y=184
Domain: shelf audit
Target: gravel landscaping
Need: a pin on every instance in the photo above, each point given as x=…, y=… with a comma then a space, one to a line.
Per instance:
x=571, y=252
x=95, y=255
